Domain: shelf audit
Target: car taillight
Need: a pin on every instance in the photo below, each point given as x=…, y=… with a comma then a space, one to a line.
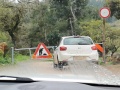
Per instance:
x=94, y=48
x=63, y=48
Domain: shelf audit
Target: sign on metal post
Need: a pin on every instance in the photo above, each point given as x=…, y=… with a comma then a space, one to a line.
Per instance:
x=41, y=52
x=104, y=13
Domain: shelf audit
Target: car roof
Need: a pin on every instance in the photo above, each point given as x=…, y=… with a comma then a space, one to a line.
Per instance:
x=74, y=36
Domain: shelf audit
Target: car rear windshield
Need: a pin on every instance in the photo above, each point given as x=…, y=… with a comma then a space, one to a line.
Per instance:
x=77, y=41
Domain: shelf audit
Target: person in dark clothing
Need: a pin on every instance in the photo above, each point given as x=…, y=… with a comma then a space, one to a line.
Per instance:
x=40, y=51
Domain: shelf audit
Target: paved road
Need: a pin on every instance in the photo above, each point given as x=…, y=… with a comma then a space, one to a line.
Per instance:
x=31, y=68
x=77, y=70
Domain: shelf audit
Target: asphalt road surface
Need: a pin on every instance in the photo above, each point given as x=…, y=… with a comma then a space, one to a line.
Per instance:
x=77, y=70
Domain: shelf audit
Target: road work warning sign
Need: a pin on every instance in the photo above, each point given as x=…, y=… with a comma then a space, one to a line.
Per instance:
x=41, y=52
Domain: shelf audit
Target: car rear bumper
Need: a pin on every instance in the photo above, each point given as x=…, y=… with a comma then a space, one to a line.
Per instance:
x=66, y=57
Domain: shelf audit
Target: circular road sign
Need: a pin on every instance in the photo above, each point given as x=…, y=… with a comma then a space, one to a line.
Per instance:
x=104, y=12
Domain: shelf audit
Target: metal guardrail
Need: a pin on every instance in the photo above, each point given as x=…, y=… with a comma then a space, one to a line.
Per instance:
x=25, y=48
x=32, y=48
x=30, y=53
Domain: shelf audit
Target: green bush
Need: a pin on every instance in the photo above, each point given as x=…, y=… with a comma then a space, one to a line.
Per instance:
x=19, y=57
x=5, y=60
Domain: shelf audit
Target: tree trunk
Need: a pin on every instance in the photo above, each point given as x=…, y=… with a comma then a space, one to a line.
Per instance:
x=72, y=31
x=74, y=18
x=12, y=37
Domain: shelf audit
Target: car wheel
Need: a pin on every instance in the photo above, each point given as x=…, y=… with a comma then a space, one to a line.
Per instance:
x=55, y=65
x=65, y=63
x=60, y=64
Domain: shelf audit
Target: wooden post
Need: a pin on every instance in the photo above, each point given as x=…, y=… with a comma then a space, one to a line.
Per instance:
x=104, y=59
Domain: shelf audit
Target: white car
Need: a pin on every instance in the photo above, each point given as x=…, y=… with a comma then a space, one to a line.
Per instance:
x=74, y=47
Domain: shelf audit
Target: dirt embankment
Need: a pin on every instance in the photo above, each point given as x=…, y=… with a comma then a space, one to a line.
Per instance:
x=115, y=69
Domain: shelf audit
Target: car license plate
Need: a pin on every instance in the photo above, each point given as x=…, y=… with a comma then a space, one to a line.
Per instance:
x=80, y=58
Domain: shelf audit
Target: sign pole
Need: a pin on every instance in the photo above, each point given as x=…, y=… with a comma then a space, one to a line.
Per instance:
x=104, y=60
x=104, y=13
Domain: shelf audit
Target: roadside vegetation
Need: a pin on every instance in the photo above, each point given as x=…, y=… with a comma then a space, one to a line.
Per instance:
x=17, y=58
x=28, y=22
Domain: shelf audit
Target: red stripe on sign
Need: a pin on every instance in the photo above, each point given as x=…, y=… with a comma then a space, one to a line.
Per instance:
x=37, y=49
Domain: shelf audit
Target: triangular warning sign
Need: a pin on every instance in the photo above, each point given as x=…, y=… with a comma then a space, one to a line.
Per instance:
x=41, y=52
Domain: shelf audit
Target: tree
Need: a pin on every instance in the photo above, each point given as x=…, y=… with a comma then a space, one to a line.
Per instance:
x=41, y=24
x=94, y=30
x=11, y=16
x=91, y=12
x=113, y=38
x=53, y=38
x=51, y=16
x=115, y=8
x=69, y=10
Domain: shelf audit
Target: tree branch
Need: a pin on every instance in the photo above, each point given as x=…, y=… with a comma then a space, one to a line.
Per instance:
x=17, y=22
